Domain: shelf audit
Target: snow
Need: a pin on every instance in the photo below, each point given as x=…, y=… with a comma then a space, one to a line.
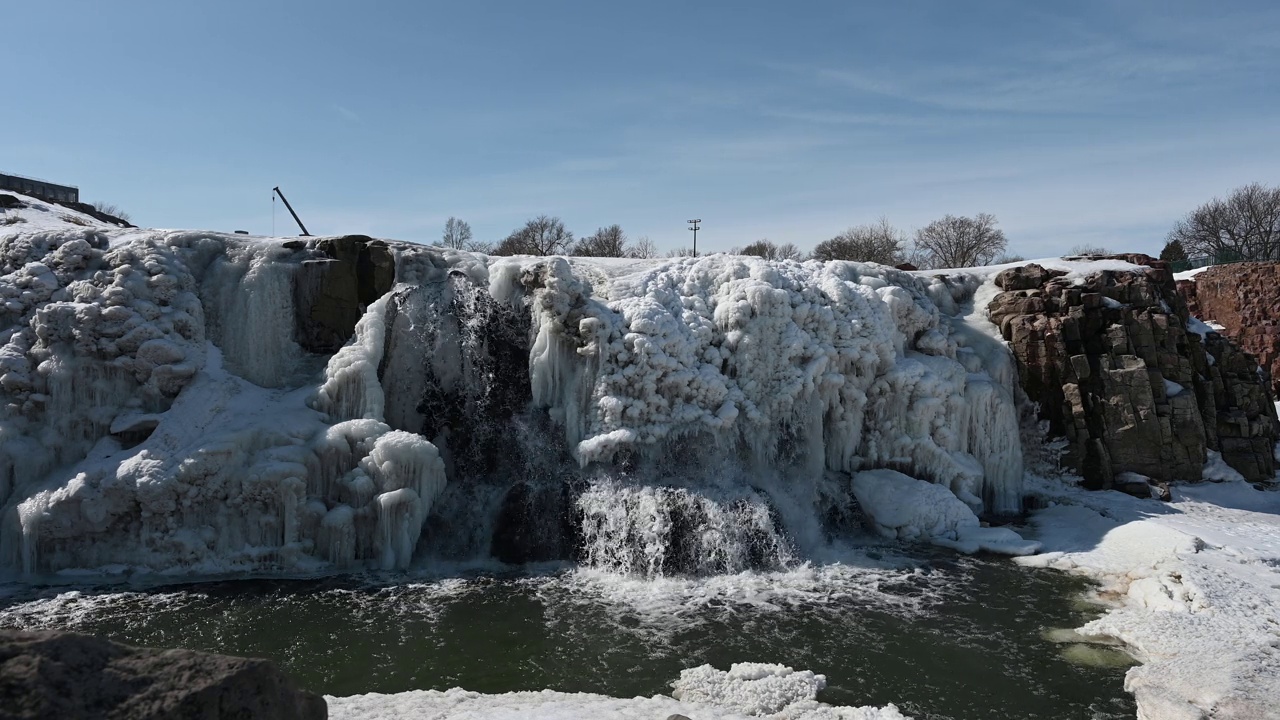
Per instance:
x=1190, y=274
x=41, y=216
x=905, y=508
x=1201, y=328
x=158, y=413
x=746, y=690
x=1217, y=470
x=1190, y=586
x=856, y=356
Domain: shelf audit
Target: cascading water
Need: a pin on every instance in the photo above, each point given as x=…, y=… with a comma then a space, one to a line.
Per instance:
x=690, y=416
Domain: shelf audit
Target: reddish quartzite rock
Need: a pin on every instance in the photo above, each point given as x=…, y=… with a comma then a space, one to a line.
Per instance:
x=1244, y=298
x=1114, y=370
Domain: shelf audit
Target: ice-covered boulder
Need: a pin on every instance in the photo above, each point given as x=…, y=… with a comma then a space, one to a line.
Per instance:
x=904, y=508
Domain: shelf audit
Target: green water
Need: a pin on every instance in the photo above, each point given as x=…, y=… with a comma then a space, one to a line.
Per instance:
x=942, y=637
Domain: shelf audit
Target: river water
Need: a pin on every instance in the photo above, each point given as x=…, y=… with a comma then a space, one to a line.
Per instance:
x=942, y=636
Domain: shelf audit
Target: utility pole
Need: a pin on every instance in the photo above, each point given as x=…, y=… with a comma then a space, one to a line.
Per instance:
x=693, y=225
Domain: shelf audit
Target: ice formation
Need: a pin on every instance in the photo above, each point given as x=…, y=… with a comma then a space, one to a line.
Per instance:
x=905, y=508
x=162, y=409
x=746, y=690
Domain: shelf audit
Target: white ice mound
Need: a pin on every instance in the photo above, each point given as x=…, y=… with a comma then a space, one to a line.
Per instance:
x=766, y=690
x=905, y=508
x=804, y=366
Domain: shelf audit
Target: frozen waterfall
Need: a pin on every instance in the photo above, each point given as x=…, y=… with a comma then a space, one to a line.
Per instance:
x=172, y=403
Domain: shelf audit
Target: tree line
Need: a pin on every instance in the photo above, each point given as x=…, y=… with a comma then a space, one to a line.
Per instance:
x=949, y=242
x=1242, y=227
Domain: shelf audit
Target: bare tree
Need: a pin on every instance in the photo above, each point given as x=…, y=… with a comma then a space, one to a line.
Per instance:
x=879, y=243
x=542, y=235
x=108, y=209
x=604, y=242
x=1244, y=226
x=1008, y=258
x=768, y=250
x=457, y=234
x=643, y=248
x=1089, y=250
x=681, y=252
x=955, y=242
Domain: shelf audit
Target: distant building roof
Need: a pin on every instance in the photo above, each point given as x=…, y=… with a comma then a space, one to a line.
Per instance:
x=37, y=188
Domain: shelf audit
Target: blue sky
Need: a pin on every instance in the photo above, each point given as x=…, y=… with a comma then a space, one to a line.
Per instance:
x=1077, y=122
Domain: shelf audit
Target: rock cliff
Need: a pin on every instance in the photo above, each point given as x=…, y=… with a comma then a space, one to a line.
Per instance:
x=1244, y=298
x=1114, y=369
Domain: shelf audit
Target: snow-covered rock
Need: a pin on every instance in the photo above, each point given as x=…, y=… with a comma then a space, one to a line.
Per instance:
x=905, y=508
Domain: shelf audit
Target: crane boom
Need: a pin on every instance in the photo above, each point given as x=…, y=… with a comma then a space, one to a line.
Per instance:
x=276, y=190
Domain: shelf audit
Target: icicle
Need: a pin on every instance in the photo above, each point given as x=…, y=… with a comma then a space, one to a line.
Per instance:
x=351, y=387
x=400, y=517
x=337, y=539
x=253, y=314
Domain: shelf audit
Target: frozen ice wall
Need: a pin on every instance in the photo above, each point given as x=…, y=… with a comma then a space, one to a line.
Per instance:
x=165, y=409
x=811, y=368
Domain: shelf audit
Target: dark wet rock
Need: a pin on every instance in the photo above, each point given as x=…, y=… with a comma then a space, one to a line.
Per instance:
x=536, y=523
x=68, y=676
x=9, y=202
x=332, y=291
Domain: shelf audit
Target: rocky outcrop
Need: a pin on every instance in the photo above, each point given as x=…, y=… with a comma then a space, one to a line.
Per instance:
x=68, y=676
x=1244, y=298
x=1114, y=369
x=332, y=291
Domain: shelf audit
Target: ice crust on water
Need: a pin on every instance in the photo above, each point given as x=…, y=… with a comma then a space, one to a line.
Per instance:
x=746, y=690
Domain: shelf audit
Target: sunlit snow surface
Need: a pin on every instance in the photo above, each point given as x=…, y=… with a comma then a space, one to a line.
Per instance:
x=1195, y=587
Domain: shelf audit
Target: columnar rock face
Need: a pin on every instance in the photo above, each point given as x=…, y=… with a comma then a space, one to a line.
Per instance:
x=65, y=675
x=1114, y=369
x=1245, y=299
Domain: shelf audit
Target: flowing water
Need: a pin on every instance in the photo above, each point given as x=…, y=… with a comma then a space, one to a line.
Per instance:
x=939, y=635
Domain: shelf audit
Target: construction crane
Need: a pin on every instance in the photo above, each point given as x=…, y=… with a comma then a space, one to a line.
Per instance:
x=276, y=190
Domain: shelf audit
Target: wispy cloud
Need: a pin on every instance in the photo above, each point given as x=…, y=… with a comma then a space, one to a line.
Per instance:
x=346, y=113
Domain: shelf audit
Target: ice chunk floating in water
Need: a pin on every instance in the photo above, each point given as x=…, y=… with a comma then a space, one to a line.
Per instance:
x=164, y=409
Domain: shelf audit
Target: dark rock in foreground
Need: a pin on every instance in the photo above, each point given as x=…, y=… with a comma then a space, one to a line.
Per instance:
x=68, y=676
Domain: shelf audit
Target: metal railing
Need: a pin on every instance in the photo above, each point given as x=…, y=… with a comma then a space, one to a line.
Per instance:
x=1225, y=257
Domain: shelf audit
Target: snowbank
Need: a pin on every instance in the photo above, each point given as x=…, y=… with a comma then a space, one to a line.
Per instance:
x=1192, y=589
x=747, y=690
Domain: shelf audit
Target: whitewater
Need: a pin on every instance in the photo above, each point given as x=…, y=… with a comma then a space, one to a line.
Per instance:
x=166, y=415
